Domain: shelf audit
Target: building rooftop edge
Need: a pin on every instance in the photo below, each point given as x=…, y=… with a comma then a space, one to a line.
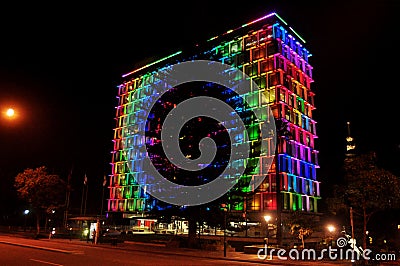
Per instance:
x=216, y=37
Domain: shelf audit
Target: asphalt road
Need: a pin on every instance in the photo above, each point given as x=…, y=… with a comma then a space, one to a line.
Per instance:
x=36, y=252
x=27, y=251
x=16, y=255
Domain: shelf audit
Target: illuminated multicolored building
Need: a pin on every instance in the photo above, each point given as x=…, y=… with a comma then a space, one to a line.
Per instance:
x=274, y=56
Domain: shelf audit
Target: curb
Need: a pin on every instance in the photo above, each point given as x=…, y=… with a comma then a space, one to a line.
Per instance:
x=39, y=247
x=145, y=244
x=190, y=254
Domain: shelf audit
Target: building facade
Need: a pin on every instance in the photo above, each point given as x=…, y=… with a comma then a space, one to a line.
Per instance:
x=274, y=56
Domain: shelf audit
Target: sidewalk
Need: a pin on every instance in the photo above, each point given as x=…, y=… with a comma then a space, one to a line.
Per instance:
x=187, y=252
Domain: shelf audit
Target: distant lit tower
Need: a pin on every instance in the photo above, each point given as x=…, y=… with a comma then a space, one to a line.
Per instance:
x=350, y=144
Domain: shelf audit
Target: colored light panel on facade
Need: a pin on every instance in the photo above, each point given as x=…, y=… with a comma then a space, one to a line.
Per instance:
x=278, y=74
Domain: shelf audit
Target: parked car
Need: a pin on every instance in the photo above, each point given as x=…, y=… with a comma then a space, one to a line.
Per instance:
x=111, y=232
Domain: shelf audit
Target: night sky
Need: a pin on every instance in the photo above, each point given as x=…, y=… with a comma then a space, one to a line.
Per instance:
x=60, y=65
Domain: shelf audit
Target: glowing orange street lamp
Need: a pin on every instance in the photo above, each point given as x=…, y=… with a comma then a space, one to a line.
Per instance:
x=11, y=115
x=331, y=228
x=10, y=112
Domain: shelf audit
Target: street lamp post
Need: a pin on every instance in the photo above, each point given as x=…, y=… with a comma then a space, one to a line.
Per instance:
x=224, y=208
x=26, y=212
x=267, y=218
x=331, y=229
x=224, y=233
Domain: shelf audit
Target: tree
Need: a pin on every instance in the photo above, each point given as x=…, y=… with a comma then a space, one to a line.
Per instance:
x=300, y=232
x=43, y=191
x=300, y=225
x=367, y=189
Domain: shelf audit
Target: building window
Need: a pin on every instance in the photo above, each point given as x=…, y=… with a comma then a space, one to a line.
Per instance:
x=251, y=70
x=258, y=53
x=269, y=201
x=255, y=204
x=311, y=204
x=280, y=63
x=295, y=202
x=274, y=79
x=272, y=95
x=300, y=105
x=236, y=46
x=291, y=101
x=250, y=41
x=287, y=113
x=272, y=47
x=284, y=182
x=267, y=65
x=261, y=82
x=286, y=201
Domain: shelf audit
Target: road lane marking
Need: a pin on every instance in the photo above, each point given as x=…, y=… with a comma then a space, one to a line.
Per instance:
x=79, y=252
x=47, y=262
